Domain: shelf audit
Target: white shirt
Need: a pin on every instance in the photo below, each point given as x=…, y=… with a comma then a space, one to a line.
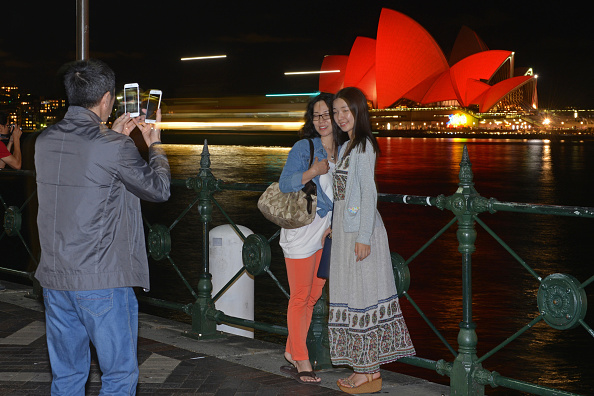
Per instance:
x=303, y=242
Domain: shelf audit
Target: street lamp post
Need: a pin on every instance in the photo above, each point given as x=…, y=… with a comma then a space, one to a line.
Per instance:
x=82, y=29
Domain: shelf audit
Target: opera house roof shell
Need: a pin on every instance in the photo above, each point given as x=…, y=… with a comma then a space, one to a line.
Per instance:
x=405, y=63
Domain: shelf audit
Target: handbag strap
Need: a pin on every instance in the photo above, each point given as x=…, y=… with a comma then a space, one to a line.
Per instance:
x=311, y=152
x=310, y=188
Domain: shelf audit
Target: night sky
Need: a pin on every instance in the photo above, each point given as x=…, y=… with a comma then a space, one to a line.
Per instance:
x=143, y=42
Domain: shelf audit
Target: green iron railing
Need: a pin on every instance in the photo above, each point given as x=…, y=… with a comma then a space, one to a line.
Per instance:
x=467, y=376
x=561, y=298
x=13, y=222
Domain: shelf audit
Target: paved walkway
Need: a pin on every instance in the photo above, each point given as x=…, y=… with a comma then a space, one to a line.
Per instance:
x=170, y=364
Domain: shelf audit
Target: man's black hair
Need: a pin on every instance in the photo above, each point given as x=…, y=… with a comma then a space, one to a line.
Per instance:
x=86, y=82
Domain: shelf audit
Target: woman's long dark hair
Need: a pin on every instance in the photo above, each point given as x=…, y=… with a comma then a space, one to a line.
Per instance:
x=357, y=103
x=309, y=130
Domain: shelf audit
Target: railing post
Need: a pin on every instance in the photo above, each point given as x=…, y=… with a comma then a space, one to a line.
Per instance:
x=318, y=344
x=203, y=311
x=462, y=381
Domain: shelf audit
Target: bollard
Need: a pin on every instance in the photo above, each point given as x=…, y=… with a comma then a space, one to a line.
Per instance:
x=225, y=254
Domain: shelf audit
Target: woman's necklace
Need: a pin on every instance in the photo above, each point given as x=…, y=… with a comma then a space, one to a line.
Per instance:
x=329, y=151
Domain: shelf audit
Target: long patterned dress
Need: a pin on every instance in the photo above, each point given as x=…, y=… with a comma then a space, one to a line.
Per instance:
x=366, y=326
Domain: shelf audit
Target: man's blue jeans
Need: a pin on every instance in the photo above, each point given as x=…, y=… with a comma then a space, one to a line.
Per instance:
x=109, y=319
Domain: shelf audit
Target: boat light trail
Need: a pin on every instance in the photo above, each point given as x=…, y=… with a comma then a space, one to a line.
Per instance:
x=312, y=72
x=295, y=94
x=235, y=126
x=204, y=57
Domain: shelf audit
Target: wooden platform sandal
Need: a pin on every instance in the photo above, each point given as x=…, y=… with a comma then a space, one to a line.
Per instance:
x=370, y=386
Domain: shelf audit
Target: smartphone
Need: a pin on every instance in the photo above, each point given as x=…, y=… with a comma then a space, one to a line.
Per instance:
x=132, y=99
x=152, y=105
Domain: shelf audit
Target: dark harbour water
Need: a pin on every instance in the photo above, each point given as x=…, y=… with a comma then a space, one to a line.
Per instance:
x=504, y=293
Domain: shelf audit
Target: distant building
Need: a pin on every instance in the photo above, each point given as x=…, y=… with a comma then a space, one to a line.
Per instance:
x=30, y=112
x=51, y=111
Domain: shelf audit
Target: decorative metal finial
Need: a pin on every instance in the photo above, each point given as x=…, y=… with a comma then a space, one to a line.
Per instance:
x=465, y=174
x=205, y=160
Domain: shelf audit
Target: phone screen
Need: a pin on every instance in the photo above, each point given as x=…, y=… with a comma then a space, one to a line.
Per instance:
x=153, y=103
x=132, y=104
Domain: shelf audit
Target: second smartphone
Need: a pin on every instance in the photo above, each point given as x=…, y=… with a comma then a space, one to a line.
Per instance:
x=152, y=105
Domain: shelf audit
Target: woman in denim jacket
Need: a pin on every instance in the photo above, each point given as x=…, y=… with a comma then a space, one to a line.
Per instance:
x=302, y=247
x=365, y=324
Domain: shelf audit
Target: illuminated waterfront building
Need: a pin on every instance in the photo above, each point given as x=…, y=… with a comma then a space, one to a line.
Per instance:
x=411, y=85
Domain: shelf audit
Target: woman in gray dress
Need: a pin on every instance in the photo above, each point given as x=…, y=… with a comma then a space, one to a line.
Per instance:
x=366, y=326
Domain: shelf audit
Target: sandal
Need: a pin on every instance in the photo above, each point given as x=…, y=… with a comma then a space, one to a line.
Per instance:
x=298, y=374
x=370, y=386
x=289, y=369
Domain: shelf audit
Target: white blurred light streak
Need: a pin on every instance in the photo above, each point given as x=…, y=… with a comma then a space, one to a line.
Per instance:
x=312, y=72
x=230, y=125
x=204, y=57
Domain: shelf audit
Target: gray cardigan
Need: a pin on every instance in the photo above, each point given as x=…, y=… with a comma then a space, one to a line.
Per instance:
x=361, y=193
x=90, y=180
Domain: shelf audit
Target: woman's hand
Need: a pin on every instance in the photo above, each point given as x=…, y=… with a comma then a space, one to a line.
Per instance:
x=326, y=233
x=362, y=251
x=317, y=168
x=320, y=167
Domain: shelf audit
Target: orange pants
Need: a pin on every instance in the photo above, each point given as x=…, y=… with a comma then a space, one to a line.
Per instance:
x=306, y=289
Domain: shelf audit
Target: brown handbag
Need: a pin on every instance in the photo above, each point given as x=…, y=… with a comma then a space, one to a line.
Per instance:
x=290, y=210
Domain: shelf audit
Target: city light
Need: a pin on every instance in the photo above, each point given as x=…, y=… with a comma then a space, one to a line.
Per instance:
x=457, y=119
x=204, y=57
x=312, y=72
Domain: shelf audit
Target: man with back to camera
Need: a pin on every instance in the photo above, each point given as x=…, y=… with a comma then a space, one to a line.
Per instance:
x=14, y=159
x=90, y=180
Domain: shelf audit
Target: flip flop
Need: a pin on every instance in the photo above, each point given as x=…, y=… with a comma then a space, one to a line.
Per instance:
x=297, y=377
x=289, y=369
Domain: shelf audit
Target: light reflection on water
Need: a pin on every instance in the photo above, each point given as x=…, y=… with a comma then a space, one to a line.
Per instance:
x=504, y=293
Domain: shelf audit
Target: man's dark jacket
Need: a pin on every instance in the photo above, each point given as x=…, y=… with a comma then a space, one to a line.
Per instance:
x=90, y=180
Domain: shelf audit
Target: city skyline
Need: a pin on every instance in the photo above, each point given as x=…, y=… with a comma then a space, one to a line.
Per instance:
x=263, y=41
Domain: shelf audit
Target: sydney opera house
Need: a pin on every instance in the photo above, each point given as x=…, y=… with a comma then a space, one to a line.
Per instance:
x=410, y=84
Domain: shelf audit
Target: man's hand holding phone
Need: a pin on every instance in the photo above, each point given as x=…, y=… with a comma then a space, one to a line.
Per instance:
x=124, y=124
x=15, y=132
x=147, y=120
x=151, y=132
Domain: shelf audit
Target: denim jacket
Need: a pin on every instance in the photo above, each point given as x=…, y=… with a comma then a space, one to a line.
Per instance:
x=297, y=163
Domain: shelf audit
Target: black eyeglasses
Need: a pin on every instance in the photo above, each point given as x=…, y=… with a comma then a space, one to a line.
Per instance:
x=325, y=117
